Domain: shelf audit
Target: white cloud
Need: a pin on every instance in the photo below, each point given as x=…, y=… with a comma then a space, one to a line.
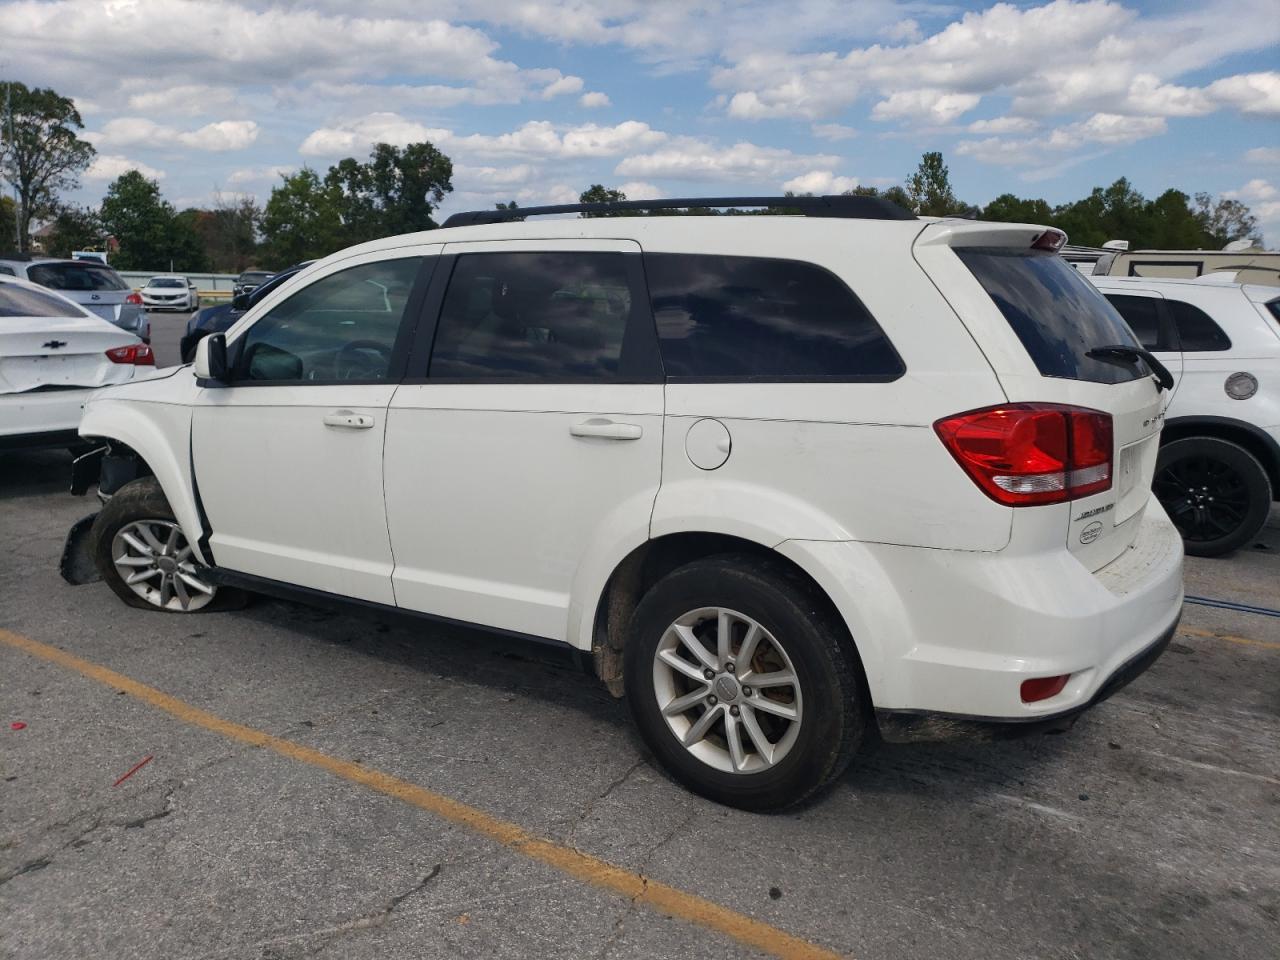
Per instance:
x=929, y=106
x=480, y=178
x=593, y=99
x=689, y=159
x=833, y=131
x=1109, y=128
x=639, y=190
x=560, y=87
x=219, y=136
x=262, y=175
x=361, y=134
x=1249, y=92
x=187, y=100
x=902, y=31
x=1106, y=129
x=1003, y=125
x=820, y=182
x=108, y=166
x=1263, y=199
x=1263, y=155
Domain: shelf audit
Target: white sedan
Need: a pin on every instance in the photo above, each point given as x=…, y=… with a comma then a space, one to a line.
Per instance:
x=53, y=354
x=170, y=292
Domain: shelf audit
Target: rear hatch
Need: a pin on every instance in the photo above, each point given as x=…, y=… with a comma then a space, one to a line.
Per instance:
x=94, y=286
x=1038, y=320
x=55, y=352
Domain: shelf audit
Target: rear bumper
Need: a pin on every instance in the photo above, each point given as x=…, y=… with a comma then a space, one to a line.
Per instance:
x=954, y=633
x=41, y=418
x=906, y=726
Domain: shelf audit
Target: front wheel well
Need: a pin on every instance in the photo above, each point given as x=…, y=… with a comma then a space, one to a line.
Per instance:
x=653, y=560
x=121, y=464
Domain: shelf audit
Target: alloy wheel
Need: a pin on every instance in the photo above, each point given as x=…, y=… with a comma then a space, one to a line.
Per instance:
x=1205, y=498
x=727, y=690
x=156, y=562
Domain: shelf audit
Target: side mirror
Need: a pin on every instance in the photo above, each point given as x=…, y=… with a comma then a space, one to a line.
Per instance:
x=240, y=302
x=211, y=358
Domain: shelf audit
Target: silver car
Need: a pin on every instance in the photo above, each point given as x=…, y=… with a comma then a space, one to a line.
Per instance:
x=93, y=285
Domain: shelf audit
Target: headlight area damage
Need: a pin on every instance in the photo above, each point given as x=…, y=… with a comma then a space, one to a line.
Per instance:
x=111, y=466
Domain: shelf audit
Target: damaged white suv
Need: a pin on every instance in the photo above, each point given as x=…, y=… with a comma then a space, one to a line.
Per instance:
x=789, y=482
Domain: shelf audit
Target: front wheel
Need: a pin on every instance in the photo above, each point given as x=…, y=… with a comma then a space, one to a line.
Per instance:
x=743, y=684
x=1216, y=493
x=144, y=556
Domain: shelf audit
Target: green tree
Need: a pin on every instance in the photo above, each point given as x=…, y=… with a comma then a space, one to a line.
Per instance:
x=40, y=153
x=929, y=189
x=1171, y=224
x=8, y=223
x=395, y=192
x=228, y=232
x=894, y=194
x=1007, y=208
x=76, y=228
x=598, y=193
x=141, y=220
x=302, y=219
x=1224, y=221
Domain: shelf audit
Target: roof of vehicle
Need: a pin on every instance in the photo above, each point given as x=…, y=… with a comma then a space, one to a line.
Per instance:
x=48, y=292
x=168, y=276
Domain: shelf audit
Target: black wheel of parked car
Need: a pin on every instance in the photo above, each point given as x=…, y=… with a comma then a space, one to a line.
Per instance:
x=1216, y=492
x=144, y=556
x=743, y=683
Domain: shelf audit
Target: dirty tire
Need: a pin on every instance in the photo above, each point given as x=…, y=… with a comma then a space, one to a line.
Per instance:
x=834, y=721
x=1211, y=467
x=141, y=499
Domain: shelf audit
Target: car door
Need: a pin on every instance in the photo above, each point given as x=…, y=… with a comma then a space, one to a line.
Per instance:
x=1149, y=318
x=527, y=437
x=288, y=454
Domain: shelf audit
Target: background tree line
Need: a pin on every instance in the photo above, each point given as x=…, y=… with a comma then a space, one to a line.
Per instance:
x=398, y=189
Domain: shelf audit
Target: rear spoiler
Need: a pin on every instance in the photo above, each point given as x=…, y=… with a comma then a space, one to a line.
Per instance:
x=971, y=233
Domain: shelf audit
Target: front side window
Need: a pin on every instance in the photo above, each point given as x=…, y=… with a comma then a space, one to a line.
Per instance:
x=342, y=327
x=750, y=318
x=537, y=318
x=80, y=275
x=1196, y=329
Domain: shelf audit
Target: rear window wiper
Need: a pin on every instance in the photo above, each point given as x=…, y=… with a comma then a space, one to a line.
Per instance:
x=1126, y=354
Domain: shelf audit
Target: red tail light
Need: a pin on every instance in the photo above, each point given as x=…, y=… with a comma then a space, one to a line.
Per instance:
x=1042, y=688
x=138, y=354
x=1025, y=454
x=134, y=298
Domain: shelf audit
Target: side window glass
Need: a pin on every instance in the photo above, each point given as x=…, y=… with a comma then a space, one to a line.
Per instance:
x=1143, y=316
x=340, y=328
x=1196, y=329
x=535, y=317
x=738, y=318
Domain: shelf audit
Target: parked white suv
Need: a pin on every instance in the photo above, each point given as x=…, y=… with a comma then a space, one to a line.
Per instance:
x=787, y=481
x=1219, y=466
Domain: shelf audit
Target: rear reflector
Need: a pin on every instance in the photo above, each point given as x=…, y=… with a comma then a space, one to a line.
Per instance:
x=1027, y=454
x=138, y=354
x=1042, y=688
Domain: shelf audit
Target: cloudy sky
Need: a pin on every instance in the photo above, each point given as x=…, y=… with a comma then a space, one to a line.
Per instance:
x=534, y=100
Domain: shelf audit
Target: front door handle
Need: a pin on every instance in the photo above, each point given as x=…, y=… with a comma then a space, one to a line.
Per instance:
x=348, y=420
x=608, y=429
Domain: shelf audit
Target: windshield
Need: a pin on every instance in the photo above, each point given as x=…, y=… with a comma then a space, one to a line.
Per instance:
x=1057, y=314
x=165, y=282
x=75, y=276
x=253, y=277
x=18, y=301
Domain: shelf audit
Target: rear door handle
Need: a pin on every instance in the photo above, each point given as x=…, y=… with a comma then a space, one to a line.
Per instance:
x=348, y=420
x=608, y=429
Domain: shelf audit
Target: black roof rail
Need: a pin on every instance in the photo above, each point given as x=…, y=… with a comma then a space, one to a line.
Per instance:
x=20, y=257
x=852, y=207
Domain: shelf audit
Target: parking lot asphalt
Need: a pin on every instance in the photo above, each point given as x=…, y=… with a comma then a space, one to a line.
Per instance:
x=324, y=785
x=166, y=333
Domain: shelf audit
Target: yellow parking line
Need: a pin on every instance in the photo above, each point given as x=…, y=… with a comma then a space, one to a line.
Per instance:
x=1209, y=634
x=627, y=883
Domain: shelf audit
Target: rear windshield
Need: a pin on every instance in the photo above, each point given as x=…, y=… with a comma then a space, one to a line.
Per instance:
x=20, y=302
x=75, y=276
x=1057, y=314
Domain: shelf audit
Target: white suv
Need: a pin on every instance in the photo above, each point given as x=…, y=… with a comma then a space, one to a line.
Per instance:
x=1219, y=466
x=787, y=481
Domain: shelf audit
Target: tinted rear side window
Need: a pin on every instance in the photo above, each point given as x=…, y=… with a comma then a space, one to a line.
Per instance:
x=749, y=318
x=542, y=318
x=1196, y=330
x=75, y=276
x=1057, y=314
x=1143, y=316
x=18, y=301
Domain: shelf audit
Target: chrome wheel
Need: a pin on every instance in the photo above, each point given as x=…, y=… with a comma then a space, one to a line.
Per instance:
x=154, y=560
x=727, y=690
